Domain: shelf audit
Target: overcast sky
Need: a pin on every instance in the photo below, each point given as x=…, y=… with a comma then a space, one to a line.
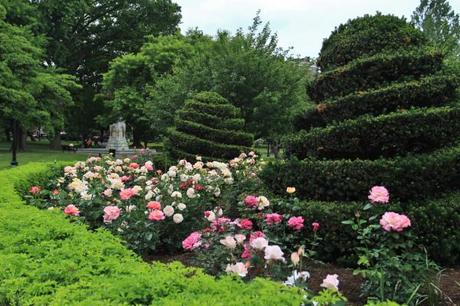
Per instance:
x=302, y=24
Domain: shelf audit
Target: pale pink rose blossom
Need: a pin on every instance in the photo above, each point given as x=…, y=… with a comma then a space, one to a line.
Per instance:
x=107, y=192
x=392, y=221
x=34, y=189
x=273, y=252
x=240, y=238
x=229, y=242
x=126, y=194
x=259, y=243
x=71, y=210
x=192, y=241
x=255, y=235
x=111, y=213
x=379, y=194
x=238, y=268
x=331, y=282
x=149, y=166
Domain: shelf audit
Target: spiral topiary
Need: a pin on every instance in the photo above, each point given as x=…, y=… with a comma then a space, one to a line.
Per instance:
x=208, y=126
x=382, y=117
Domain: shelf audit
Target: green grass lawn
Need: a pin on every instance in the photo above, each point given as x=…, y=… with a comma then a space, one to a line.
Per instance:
x=36, y=152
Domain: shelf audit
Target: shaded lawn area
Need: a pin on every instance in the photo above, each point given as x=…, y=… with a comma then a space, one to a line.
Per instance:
x=36, y=152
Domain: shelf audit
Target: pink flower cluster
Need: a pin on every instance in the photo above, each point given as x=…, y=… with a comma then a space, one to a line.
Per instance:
x=111, y=213
x=128, y=193
x=392, y=221
x=296, y=223
x=379, y=194
x=192, y=241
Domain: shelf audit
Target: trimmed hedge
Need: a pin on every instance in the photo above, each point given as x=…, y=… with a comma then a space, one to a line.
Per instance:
x=376, y=71
x=209, y=126
x=434, y=224
x=409, y=177
x=367, y=137
x=47, y=260
x=366, y=36
x=433, y=90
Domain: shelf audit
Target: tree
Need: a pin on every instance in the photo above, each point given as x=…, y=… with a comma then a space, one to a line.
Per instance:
x=127, y=85
x=31, y=94
x=382, y=118
x=83, y=36
x=440, y=23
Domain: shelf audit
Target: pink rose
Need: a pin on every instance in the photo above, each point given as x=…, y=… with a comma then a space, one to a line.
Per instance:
x=331, y=282
x=192, y=241
x=315, y=226
x=273, y=218
x=296, y=223
x=126, y=194
x=245, y=224
x=256, y=235
x=34, y=189
x=134, y=165
x=247, y=252
x=219, y=224
x=111, y=213
x=156, y=215
x=148, y=166
x=392, y=221
x=153, y=205
x=71, y=210
x=379, y=194
x=251, y=201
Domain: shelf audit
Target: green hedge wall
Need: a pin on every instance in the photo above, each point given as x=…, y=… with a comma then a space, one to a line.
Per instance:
x=209, y=126
x=376, y=71
x=47, y=260
x=367, y=36
x=433, y=90
x=409, y=177
x=434, y=224
x=367, y=137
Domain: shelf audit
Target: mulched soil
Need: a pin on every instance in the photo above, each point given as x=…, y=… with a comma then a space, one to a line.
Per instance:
x=349, y=284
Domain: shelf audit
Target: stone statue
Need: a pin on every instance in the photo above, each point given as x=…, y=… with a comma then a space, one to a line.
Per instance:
x=117, y=138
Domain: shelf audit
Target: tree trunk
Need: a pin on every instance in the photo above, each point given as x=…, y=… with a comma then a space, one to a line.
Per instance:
x=55, y=144
x=136, y=139
x=7, y=134
x=22, y=139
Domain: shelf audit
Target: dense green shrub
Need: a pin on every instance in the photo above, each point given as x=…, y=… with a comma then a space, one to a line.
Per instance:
x=379, y=118
x=367, y=35
x=417, y=130
x=434, y=223
x=433, y=90
x=45, y=260
x=379, y=70
x=208, y=125
x=407, y=177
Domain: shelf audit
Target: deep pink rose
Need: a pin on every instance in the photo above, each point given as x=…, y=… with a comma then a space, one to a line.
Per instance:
x=247, y=252
x=71, y=210
x=192, y=241
x=295, y=223
x=34, y=189
x=379, y=194
x=156, y=215
x=111, y=213
x=245, y=224
x=219, y=224
x=251, y=201
x=273, y=218
x=125, y=178
x=126, y=194
x=392, y=221
x=315, y=226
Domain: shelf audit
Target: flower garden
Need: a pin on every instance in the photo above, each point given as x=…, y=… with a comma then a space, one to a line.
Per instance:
x=366, y=194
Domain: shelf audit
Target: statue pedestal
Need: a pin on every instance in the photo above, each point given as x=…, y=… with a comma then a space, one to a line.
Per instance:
x=117, y=139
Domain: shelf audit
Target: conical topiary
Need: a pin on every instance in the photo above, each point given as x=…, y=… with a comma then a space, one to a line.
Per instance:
x=382, y=117
x=208, y=126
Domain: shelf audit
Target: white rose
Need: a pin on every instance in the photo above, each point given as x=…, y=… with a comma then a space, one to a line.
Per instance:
x=181, y=206
x=149, y=195
x=168, y=210
x=331, y=282
x=238, y=268
x=263, y=202
x=217, y=191
x=273, y=252
x=176, y=194
x=191, y=193
x=228, y=180
x=183, y=177
x=229, y=242
x=211, y=217
x=178, y=218
x=259, y=243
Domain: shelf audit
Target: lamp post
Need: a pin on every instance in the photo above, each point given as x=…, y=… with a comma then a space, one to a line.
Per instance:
x=14, y=162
